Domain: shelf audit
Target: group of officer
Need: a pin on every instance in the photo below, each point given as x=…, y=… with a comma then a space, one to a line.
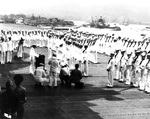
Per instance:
x=129, y=61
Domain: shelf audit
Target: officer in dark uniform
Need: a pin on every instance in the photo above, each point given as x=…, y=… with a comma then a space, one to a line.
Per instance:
x=21, y=93
x=9, y=102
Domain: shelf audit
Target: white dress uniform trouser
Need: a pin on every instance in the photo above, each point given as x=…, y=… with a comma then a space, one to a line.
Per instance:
x=53, y=78
x=42, y=80
x=147, y=85
x=32, y=66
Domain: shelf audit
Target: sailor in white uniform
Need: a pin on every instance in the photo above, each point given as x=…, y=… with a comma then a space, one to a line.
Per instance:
x=33, y=54
x=3, y=50
x=111, y=69
x=117, y=64
x=129, y=66
x=143, y=63
x=20, y=48
x=9, y=50
x=123, y=65
x=147, y=83
x=137, y=69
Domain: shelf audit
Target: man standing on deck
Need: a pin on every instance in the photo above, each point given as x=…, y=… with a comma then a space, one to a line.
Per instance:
x=9, y=50
x=33, y=54
x=54, y=65
x=111, y=70
x=3, y=50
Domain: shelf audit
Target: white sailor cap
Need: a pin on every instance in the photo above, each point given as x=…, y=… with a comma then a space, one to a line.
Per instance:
x=62, y=64
x=41, y=64
x=144, y=53
x=129, y=51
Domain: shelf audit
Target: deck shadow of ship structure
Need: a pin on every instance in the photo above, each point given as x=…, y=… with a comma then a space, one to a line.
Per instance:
x=64, y=102
x=68, y=103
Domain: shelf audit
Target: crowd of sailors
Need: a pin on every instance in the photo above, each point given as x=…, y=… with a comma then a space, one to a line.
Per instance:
x=129, y=61
x=129, y=58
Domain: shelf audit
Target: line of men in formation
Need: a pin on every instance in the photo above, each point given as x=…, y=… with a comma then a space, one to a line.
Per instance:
x=124, y=65
x=110, y=43
x=73, y=45
x=11, y=40
x=129, y=61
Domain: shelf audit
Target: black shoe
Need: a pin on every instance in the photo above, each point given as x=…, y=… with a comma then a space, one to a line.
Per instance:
x=69, y=86
x=49, y=86
x=132, y=86
x=147, y=92
x=115, y=79
x=121, y=81
x=55, y=86
x=62, y=84
x=109, y=86
x=38, y=85
x=66, y=83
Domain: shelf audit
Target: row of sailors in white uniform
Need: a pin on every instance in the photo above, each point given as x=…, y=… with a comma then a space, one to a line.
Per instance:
x=64, y=51
x=9, y=41
x=109, y=44
x=30, y=38
x=6, y=48
x=132, y=68
x=91, y=41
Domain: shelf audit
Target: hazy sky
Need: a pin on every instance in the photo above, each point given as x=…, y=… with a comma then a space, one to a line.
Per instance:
x=80, y=9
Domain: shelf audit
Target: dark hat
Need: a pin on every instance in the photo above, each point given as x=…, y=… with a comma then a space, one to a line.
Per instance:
x=34, y=46
x=9, y=38
x=122, y=52
x=117, y=51
x=112, y=54
x=137, y=53
x=129, y=55
x=119, y=37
